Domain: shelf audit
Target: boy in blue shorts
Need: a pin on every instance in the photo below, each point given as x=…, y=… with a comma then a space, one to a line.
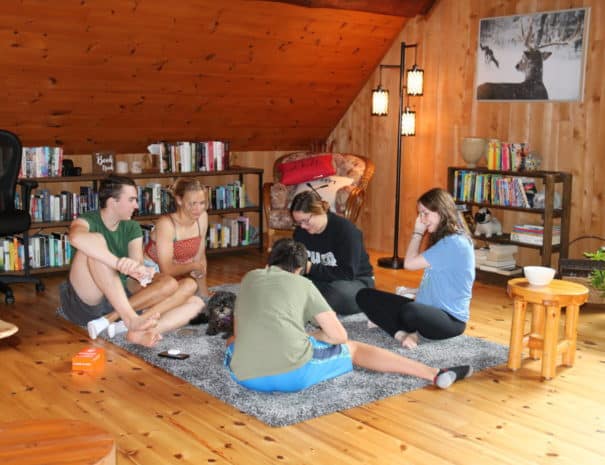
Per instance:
x=270, y=349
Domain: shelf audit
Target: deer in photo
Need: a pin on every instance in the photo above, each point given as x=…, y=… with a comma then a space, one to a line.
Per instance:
x=531, y=64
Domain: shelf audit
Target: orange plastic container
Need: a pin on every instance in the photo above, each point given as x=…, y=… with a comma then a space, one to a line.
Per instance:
x=89, y=359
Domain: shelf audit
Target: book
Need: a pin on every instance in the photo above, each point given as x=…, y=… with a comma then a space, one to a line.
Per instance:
x=502, y=249
x=535, y=228
x=499, y=253
x=503, y=271
x=533, y=238
x=500, y=263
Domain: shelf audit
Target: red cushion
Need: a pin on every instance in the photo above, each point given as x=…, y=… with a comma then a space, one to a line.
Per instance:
x=306, y=169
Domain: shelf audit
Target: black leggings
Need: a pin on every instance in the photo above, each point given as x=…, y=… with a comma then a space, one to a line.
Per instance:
x=340, y=295
x=394, y=313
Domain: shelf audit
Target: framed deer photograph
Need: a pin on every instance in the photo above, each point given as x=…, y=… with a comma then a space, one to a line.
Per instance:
x=539, y=56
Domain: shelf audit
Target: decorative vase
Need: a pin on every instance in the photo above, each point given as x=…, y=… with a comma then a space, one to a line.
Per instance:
x=472, y=149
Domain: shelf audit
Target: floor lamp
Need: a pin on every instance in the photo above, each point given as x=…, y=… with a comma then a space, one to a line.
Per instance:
x=406, y=126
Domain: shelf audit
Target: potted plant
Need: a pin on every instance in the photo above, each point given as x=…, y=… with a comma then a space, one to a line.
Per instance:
x=589, y=271
x=597, y=275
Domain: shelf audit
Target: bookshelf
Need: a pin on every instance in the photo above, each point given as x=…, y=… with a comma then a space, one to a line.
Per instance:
x=241, y=174
x=551, y=182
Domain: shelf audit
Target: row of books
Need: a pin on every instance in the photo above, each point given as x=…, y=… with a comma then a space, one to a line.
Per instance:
x=48, y=250
x=40, y=162
x=534, y=234
x=65, y=206
x=495, y=189
x=183, y=157
x=231, y=195
x=232, y=232
x=153, y=198
x=44, y=251
x=186, y=157
x=505, y=156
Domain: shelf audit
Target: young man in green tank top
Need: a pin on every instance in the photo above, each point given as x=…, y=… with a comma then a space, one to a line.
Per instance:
x=109, y=250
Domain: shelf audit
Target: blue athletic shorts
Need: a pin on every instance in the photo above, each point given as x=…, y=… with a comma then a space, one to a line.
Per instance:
x=329, y=361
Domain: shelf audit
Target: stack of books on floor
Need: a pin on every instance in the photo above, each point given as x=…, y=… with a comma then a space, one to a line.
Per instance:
x=498, y=259
x=534, y=234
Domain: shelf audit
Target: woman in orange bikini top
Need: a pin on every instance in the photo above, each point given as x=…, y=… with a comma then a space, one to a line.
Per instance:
x=178, y=241
x=184, y=250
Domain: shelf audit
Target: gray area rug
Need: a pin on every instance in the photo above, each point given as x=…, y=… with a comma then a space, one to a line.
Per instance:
x=204, y=369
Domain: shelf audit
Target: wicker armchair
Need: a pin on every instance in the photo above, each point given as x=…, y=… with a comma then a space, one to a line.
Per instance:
x=348, y=199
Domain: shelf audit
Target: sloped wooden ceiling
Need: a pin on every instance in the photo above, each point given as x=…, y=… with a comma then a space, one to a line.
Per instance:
x=118, y=74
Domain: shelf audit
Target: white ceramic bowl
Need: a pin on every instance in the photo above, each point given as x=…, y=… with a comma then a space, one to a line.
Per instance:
x=539, y=275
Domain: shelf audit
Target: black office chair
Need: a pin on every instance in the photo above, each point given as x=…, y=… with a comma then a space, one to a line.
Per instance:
x=12, y=220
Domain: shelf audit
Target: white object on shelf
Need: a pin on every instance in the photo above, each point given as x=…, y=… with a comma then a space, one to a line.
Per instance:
x=501, y=249
x=533, y=239
x=481, y=255
x=512, y=263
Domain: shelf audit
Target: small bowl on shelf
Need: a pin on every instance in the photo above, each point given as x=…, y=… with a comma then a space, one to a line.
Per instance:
x=539, y=275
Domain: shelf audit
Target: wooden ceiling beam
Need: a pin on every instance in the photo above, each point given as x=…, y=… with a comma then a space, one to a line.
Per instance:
x=403, y=8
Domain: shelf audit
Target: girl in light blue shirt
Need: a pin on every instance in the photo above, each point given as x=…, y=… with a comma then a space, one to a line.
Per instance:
x=441, y=307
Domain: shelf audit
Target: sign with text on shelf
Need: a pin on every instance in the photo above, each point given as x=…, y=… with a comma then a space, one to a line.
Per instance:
x=103, y=162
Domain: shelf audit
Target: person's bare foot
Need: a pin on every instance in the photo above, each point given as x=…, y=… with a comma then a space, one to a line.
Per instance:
x=400, y=336
x=410, y=341
x=142, y=323
x=147, y=338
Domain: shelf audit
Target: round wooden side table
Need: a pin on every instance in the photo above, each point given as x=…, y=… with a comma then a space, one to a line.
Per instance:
x=543, y=338
x=73, y=442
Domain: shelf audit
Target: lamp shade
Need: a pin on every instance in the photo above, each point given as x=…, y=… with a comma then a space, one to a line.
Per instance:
x=408, y=122
x=415, y=81
x=380, y=101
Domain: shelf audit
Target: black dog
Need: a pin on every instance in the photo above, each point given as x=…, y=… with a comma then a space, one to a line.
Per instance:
x=218, y=313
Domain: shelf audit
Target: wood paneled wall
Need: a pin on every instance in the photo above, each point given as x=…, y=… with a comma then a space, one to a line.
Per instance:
x=570, y=136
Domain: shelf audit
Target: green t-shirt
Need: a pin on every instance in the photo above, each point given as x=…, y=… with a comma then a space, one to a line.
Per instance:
x=118, y=240
x=271, y=310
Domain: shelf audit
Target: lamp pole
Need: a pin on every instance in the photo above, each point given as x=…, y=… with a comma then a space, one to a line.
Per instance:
x=396, y=262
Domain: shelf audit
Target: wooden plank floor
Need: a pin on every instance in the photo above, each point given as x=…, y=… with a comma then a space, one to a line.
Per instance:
x=496, y=417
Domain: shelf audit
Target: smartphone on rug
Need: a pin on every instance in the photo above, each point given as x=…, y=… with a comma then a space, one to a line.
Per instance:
x=174, y=354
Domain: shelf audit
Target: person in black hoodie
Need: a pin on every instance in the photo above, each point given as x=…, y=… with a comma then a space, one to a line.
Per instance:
x=338, y=264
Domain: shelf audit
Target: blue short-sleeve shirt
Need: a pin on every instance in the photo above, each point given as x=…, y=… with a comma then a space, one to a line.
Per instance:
x=448, y=282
